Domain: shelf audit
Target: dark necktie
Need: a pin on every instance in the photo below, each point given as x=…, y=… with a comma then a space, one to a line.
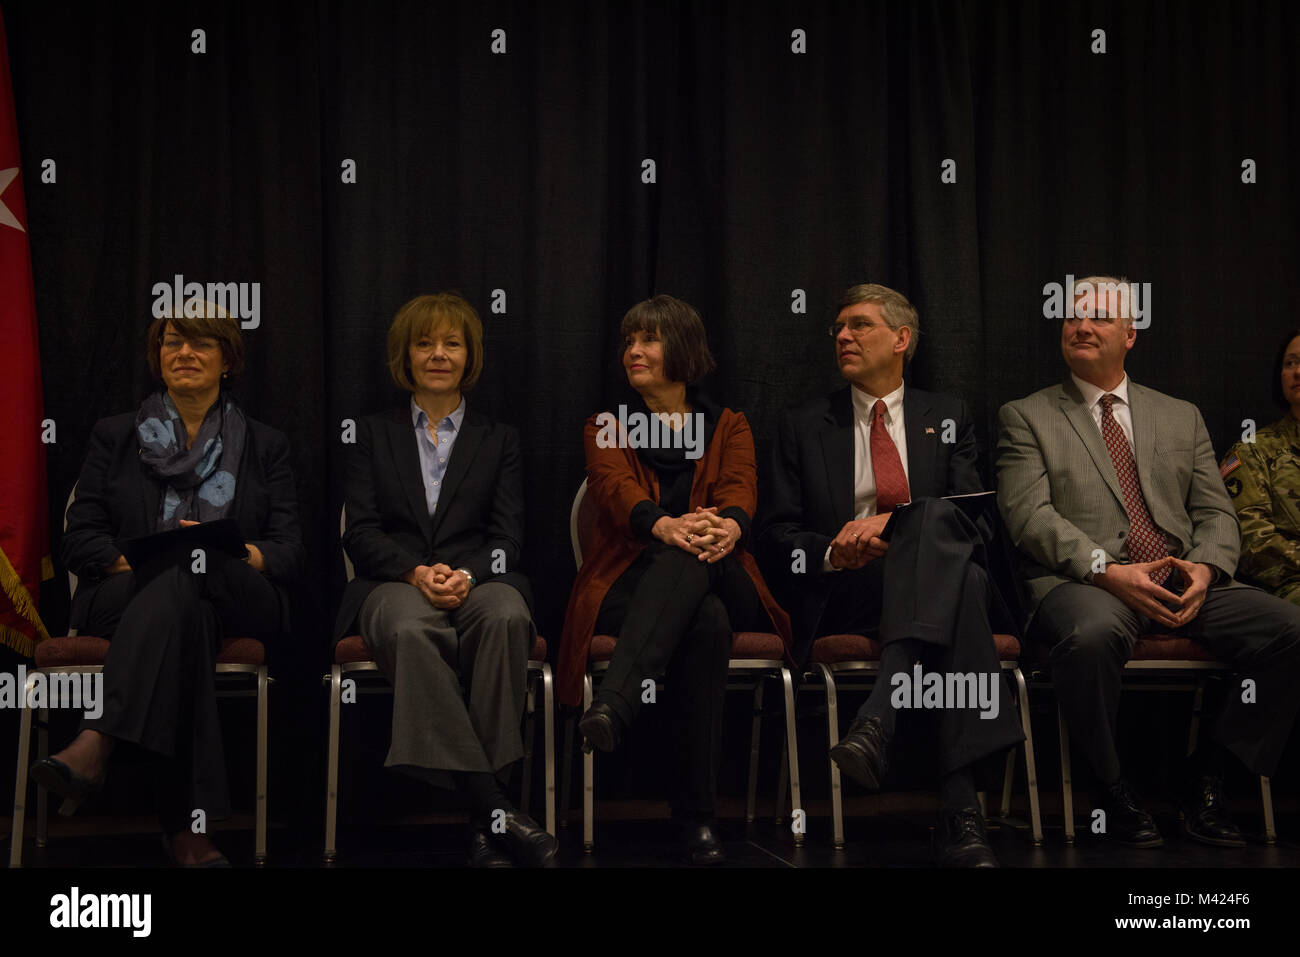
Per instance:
x=1146, y=543
x=891, y=480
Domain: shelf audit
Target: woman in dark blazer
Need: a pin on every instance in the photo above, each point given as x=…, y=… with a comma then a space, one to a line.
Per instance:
x=435, y=522
x=673, y=479
x=188, y=455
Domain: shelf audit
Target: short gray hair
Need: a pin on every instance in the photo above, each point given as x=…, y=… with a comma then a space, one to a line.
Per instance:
x=1115, y=288
x=894, y=306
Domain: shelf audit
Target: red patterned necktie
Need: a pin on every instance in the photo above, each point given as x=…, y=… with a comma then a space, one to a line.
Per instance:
x=891, y=480
x=1146, y=543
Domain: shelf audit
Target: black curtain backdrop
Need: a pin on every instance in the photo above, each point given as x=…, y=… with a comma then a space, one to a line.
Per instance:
x=780, y=177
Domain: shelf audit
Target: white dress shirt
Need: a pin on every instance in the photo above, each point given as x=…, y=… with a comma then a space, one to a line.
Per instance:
x=1119, y=408
x=864, y=478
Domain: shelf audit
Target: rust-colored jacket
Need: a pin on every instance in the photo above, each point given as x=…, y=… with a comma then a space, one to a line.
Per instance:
x=617, y=481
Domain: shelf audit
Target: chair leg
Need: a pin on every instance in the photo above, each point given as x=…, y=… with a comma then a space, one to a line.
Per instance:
x=1067, y=789
x=756, y=725
x=1270, y=828
x=1197, y=700
x=792, y=746
x=548, y=728
x=1008, y=775
x=42, y=795
x=526, y=784
x=20, y=785
x=833, y=738
x=566, y=771
x=1031, y=765
x=332, y=775
x=263, y=715
x=782, y=778
x=588, y=778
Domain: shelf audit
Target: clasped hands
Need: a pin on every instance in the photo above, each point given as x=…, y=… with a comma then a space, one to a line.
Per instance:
x=1132, y=585
x=701, y=533
x=859, y=542
x=445, y=587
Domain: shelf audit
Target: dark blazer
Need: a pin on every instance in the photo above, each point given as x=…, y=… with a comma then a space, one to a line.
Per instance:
x=808, y=495
x=389, y=531
x=117, y=499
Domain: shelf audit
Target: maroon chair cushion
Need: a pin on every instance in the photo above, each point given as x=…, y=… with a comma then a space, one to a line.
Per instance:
x=602, y=647
x=70, y=650
x=241, y=651
x=1008, y=647
x=1169, y=647
x=757, y=644
x=351, y=650
x=834, y=649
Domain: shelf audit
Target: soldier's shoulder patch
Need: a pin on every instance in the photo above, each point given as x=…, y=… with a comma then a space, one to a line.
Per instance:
x=1230, y=463
x=1233, y=486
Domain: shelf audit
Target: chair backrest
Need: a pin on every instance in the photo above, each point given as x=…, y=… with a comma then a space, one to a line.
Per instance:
x=343, y=527
x=72, y=497
x=582, y=524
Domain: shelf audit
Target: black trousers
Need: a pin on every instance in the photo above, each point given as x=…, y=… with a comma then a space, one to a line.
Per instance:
x=674, y=616
x=1090, y=635
x=158, y=676
x=932, y=586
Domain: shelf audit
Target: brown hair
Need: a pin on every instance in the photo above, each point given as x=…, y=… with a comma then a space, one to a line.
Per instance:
x=421, y=316
x=678, y=325
x=213, y=324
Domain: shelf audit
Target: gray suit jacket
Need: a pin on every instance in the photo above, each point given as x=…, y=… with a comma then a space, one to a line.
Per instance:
x=1060, y=497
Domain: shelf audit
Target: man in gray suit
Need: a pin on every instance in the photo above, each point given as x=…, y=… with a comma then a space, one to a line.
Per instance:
x=1112, y=494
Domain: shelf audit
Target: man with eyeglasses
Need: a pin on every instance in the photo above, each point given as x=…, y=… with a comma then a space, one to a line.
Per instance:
x=840, y=467
x=1112, y=494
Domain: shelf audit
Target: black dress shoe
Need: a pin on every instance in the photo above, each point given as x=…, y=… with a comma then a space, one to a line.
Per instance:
x=529, y=845
x=960, y=840
x=862, y=754
x=1126, y=823
x=221, y=861
x=57, y=778
x=1205, y=815
x=601, y=728
x=701, y=846
x=483, y=853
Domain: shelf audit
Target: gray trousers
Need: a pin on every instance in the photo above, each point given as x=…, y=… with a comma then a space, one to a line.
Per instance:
x=459, y=677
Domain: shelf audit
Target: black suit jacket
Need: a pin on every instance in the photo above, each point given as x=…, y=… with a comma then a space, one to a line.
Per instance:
x=389, y=531
x=117, y=499
x=808, y=495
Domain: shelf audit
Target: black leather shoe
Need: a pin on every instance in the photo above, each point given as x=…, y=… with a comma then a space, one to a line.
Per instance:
x=701, y=846
x=862, y=754
x=961, y=841
x=482, y=852
x=1205, y=815
x=221, y=861
x=601, y=728
x=1126, y=823
x=529, y=845
x=57, y=778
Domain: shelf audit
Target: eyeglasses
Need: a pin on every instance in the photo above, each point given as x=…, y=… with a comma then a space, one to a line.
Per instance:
x=857, y=325
x=202, y=344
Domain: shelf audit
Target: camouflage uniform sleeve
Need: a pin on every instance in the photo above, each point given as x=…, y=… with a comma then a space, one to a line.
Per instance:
x=1270, y=543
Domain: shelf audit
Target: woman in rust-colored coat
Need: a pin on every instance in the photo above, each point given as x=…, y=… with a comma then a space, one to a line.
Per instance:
x=673, y=480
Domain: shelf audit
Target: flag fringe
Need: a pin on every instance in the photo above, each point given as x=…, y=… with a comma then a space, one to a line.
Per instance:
x=17, y=593
x=17, y=640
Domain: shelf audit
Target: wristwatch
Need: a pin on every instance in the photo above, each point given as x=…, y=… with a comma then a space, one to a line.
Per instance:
x=470, y=575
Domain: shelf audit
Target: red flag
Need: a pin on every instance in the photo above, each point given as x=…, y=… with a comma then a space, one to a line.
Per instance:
x=24, y=528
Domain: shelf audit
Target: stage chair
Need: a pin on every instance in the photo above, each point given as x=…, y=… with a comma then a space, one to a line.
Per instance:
x=353, y=657
x=755, y=656
x=242, y=660
x=856, y=659
x=1171, y=658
